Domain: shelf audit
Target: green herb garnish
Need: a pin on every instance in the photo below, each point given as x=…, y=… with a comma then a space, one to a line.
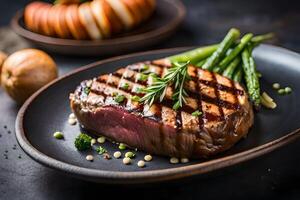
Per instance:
x=83, y=142
x=58, y=135
x=129, y=154
x=122, y=146
x=153, y=75
x=281, y=91
x=119, y=98
x=125, y=86
x=176, y=76
x=100, y=150
x=145, y=68
x=276, y=86
x=197, y=113
x=142, y=77
x=287, y=90
x=87, y=90
x=139, y=90
x=135, y=98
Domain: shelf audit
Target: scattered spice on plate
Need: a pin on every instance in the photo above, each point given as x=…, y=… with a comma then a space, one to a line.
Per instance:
x=58, y=135
x=148, y=158
x=89, y=158
x=141, y=164
x=276, y=86
x=129, y=154
x=117, y=154
x=281, y=91
x=72, y=116
x=100, y=150
x=106, y=156
x=126, y=161
x=287, y=90
x=122, y=146
x=72, y=121
x=93, y=141
x=101, y=140
x=184, y=160
x=174, y=160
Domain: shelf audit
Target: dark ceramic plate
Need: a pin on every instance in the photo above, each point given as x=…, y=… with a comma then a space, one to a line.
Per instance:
x=48, y=109
x=167, y=17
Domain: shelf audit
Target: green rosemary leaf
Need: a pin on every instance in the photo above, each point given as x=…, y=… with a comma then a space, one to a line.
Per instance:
x=176, y=77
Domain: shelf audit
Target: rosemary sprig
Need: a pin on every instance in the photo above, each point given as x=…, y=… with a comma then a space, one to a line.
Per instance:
x=176, y=76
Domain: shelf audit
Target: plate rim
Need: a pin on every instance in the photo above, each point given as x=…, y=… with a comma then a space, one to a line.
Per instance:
x=142, y=176
x=171, y=26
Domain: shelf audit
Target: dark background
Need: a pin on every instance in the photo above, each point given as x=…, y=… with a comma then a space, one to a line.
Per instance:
x=276, y=175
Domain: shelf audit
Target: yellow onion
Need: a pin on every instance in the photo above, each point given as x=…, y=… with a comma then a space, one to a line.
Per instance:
x=26, y=71
x=3, y=56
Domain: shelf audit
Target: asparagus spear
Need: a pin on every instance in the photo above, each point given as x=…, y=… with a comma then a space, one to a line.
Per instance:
x=199, y=64
x=237, y=76
x=229, y=71
x=261, y=38
x=217, y=69
x=195, y=55
x=257, y=40
x=252, y=81
x=234, y=53
x=229, y=39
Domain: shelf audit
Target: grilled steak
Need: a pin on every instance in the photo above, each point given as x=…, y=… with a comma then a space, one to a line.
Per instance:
x=227, y=113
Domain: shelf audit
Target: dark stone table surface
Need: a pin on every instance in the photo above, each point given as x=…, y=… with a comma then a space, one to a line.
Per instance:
x=275, y=175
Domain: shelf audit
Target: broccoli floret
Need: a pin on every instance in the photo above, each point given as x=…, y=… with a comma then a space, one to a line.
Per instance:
x=83, y=142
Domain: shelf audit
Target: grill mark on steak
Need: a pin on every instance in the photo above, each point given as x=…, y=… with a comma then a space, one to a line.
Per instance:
x=132, y=78
x=214, y=84
x=116, y=86
x=196, y=95
x=218, y=102
x=199, y=101
x=224, y=88
x=168, y=102
x=235, y=97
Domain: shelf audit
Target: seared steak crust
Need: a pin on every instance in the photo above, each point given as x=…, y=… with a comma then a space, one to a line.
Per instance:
x=227, y=112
